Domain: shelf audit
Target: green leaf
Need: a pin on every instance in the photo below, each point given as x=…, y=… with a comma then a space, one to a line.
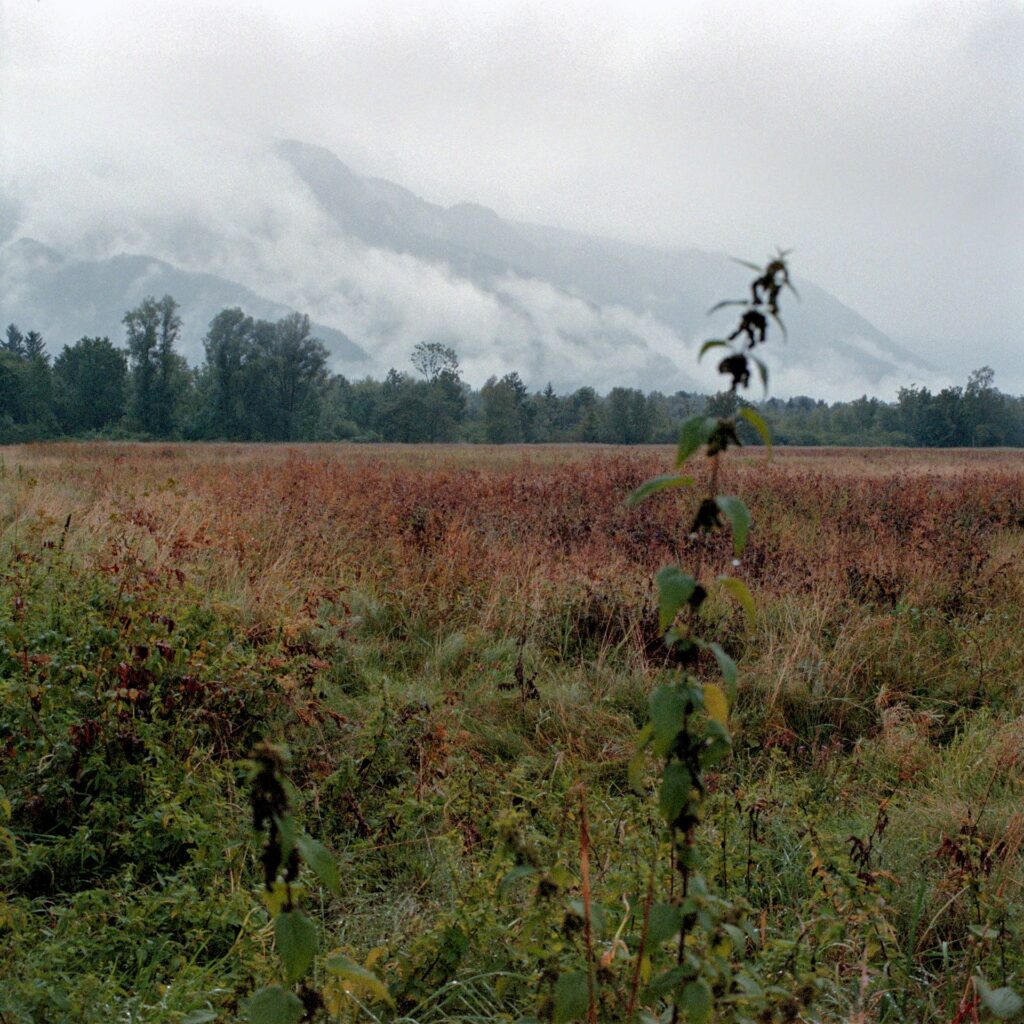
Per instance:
x=696, y=1000
x=736, y=936
x=677, y=636
x=762, y=372
x=748, y=985
x=1003, y=1002
x=656, y=484
x=518, y=872
x=740, y=593
x=739, y=518
x=692, y=434
x=726, y=666
x=295, y=936
x=782, y=326
x=709, y=345
x=280, y=895
x=559, y=877
x=635, y=770
x=273, y=1005
x=572, y=997
x=668, y=711
x=675, y=790
x=675, y=588
x=716, y=750
x=643, y=737
x=725, y=303
x=319, y=859
x=716, y=704
x=286, y=829
x=598, y=920
x=199, y=1017
x=668, y=981
x=360, y=980
x=747, y=264
x=756, y=420
x=664, y=922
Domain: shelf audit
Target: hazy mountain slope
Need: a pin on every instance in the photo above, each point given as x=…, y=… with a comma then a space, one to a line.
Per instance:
x=65, y=299
x=383, y=269
x=675, y=287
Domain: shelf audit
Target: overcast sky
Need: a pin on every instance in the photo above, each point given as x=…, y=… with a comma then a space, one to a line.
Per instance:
x=883, y=141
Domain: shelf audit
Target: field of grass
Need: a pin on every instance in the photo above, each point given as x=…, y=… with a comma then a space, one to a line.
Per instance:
x=453, y=643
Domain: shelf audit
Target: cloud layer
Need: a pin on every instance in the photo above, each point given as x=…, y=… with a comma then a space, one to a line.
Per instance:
x=884, y=141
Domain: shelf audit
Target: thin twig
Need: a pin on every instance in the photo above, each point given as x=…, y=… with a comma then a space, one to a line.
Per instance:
x=634, y=988
x=587, y=929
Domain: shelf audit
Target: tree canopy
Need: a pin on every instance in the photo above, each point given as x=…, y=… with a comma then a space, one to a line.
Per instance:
x=271, y=381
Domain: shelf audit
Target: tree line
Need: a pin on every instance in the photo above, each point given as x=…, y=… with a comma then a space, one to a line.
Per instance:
x=269, y=381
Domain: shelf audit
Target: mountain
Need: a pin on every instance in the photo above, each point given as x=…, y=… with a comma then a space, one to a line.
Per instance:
x=66, y=299
x=675, y=288
x=381, y=269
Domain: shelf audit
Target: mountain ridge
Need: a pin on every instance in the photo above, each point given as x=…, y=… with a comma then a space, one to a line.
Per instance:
x=123, y=280
x=380, y=269
x=547, y=239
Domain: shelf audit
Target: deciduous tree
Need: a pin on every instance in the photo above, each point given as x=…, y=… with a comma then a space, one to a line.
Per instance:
x=90, y=384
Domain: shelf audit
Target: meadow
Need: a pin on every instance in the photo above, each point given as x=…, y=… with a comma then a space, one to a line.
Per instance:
x=455, y=643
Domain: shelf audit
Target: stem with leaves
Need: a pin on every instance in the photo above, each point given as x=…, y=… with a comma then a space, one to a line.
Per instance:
x=285, y=850
x=688, y=718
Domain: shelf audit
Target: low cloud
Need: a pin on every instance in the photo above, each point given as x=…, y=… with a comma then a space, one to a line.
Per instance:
x=274, y=237
x=885, y=140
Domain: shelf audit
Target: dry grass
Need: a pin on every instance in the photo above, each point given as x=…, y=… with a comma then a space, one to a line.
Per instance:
x=876, y=569
x=504, y=527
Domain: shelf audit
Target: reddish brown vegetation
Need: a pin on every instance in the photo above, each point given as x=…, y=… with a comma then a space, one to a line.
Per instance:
x=511, y=532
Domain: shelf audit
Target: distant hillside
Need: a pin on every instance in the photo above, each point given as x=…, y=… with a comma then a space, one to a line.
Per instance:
x=65, y=299
x=381, y=269
x=676, y=287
